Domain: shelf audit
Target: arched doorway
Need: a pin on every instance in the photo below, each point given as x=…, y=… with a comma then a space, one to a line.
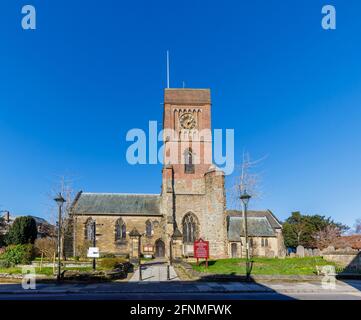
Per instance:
x=234, y=252
x=159, y=249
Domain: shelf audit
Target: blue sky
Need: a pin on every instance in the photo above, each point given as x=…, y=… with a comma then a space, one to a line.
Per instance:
x=71, y=89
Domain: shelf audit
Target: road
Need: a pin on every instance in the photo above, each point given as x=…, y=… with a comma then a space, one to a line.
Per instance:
x=183, y=296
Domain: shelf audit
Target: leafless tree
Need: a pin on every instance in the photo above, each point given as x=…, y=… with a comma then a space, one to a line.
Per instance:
x=46, y=246
x=248, y=178
x=64, y=185
x=326, y=236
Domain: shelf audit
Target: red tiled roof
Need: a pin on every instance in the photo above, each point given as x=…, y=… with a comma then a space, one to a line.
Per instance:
x=353, y=241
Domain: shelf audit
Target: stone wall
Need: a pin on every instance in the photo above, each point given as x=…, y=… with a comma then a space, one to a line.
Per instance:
x=105, y=230
x=256, y=250
x=349, y=260
x=215, y=225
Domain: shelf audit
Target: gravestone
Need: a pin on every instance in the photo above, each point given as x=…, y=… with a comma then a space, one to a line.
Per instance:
x=292, y=255
x=300, y=251
x=316, y=252
x=310, y=252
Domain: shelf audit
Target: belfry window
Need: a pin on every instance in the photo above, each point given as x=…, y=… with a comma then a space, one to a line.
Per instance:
x=190, y=231
x=189, y=166
x=120, y=230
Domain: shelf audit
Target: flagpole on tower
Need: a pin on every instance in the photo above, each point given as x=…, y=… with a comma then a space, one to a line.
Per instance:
x=168, y=69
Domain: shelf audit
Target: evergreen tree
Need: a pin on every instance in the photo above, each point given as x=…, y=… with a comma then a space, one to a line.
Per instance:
x=301, y=229
x=22, y=231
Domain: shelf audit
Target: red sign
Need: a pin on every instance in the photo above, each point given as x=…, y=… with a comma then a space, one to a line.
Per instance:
x=201, y=249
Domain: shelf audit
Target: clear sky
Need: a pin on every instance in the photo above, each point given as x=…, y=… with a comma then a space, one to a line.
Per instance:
x=71, y=89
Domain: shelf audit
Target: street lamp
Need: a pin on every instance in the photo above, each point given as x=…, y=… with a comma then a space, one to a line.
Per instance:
x=60, y=201
x=245, y=199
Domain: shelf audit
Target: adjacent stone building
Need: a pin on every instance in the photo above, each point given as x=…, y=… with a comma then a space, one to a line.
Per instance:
x=264, y=232
x=191, y=205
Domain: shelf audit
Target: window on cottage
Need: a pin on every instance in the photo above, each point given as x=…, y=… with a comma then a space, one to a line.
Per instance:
x=264, y=242
x=189, y=228
x=148, y=228
x=89, y=230
x=189, y=166
x=120, y=230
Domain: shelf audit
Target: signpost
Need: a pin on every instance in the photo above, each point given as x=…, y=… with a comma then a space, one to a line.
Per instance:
x=201, y=250
x=93, y=252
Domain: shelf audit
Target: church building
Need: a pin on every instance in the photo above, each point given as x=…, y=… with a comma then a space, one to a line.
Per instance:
x=191, y=205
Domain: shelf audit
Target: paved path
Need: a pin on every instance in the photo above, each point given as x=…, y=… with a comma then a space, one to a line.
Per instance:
x=156, y=271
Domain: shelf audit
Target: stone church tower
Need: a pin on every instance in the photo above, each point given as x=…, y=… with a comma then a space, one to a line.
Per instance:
x=193, y=196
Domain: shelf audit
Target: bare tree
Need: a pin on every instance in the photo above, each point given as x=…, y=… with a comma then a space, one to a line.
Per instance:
x=46, y=246
x=248, y=178
x=64, y=185
x=327, y=236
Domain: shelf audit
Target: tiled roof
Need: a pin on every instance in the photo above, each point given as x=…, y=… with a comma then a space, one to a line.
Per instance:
x=274, y=222
x=353, y=241
x=187, y=96
x=117, y=203
x=257, y=227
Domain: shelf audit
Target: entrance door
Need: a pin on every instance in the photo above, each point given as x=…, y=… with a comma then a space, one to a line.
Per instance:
x=234, y=250
x=159, y=249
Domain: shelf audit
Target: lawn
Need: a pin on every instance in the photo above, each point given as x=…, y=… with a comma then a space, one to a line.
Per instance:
x=44, y=271
x=264, y=266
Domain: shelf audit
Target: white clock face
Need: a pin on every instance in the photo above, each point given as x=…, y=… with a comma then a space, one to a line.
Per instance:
x=187, y=121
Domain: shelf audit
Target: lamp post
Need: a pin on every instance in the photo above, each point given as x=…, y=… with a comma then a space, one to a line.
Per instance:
x=94, y=242
x=60, y=201
x=245, y=199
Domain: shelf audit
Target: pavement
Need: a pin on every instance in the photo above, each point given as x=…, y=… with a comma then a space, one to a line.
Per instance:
x=156, y=271
x=183, y=289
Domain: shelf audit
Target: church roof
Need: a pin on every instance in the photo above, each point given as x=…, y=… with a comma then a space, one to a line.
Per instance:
x=273, y=221
x=257, y=227
x=187, y=96
x=117, y=204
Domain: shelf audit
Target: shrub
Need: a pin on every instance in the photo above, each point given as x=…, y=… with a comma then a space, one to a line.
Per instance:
x=46, y=246
x=107, y=255
x=22, y=231
x=111, y=263
x=76, y=258
x=82, y=249
x=19, y=254
x=5, y=264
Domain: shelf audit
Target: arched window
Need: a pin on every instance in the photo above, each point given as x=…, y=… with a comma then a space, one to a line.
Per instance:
x=190, y=228
x=148, y=228
x=188, y=160
x=89, y=229
x=120, y=230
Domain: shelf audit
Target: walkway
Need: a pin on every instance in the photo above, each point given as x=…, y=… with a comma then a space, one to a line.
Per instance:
x=155, y=271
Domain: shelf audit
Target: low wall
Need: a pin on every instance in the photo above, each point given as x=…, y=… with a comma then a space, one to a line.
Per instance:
x=344, y=259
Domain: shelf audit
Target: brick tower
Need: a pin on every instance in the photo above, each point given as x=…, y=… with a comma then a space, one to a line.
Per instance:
x=193, y=198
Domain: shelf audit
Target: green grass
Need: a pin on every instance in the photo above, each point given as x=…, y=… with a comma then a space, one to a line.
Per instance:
x=44, y=271
x=264, y=266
